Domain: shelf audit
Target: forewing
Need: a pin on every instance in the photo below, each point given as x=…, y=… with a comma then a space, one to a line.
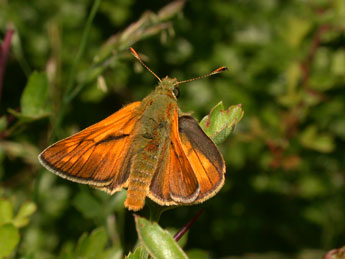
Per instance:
x=95, y=155
x=203, y=156
x=174, y=181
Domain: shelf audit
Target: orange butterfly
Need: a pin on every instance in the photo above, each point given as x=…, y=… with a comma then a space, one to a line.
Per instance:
x=149, y=147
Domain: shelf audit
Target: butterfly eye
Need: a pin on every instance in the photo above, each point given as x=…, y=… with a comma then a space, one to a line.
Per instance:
x=176, y=92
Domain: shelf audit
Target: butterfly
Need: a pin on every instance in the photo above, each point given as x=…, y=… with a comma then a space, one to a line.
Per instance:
x=149, y=147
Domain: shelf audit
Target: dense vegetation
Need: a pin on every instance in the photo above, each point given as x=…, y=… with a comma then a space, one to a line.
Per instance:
x=68, y=66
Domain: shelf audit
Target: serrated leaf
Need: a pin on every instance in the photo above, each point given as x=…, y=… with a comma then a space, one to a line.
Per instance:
x=6, y=211
x=158, y=242
x=9, y=238
x=34, y=100
x=25, y=211
x=139, y=253
x=219, y=123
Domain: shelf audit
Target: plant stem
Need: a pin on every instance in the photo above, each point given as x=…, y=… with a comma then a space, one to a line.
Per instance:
x=179, y=234
x=156, y=211
x=4, y=50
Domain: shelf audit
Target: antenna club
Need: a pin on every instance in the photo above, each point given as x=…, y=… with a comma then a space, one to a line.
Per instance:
x=135, y=54
x=220, y=69
x=217, y=71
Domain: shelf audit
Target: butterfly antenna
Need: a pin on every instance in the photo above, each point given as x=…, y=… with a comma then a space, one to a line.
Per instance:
x=217, y=71
x=136, y=55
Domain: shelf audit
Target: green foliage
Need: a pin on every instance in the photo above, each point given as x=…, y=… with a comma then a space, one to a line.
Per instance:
x=9, y=238
x=284, y=189
x=34, y=100
x=158, y=242
x=10, y=224
x=219, y=123
x=92, y=246
x=139, y=253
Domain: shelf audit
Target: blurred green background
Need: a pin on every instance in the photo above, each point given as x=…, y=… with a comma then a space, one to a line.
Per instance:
x=284, y=191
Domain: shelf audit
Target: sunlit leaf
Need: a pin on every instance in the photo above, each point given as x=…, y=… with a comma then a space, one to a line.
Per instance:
x=139, y=253
x=219, y=123
x=87, y=204
x=91, y=246
x=34, y=101
x=25, y=211
x=322, y=142
x=3, y=123
x=197, y=254
x=6, y=211
x=158, y=242
x=9, y=238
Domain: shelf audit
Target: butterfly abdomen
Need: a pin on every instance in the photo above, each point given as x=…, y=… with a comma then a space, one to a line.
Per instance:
x=141, y=173
x=153, y=132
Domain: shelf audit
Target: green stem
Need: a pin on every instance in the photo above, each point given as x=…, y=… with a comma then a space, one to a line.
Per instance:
x=156, y=211
x=70, y=83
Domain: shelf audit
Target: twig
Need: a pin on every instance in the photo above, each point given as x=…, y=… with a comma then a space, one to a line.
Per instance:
x=310, y=58
x=4, y=50
x=179, y=234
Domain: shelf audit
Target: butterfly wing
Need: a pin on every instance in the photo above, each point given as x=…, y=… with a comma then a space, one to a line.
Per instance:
x=203, y=156
x=98, y=154
x=174, y=181
x=191, y=169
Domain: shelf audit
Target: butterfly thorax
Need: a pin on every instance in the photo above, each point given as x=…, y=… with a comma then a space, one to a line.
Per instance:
x=151, y=139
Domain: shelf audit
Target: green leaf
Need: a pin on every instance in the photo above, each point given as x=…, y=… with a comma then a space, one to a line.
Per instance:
x=310, y=138
x=296, y=29
x=34, y=100
x=6, y=211
x=158, y=242
x=338, y=63
x=82, y=244
x=112, y=253
x=9, y=238
x=26, y=151
x=93, y=245
x=87, y=205
x=197, y=254
x=139, y=253
x=219, y=123
x=97, y=241
x=25, y=211
x=183, y=240
x=3, y=123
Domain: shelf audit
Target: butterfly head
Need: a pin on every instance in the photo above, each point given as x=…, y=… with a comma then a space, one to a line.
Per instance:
x=168, y=86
